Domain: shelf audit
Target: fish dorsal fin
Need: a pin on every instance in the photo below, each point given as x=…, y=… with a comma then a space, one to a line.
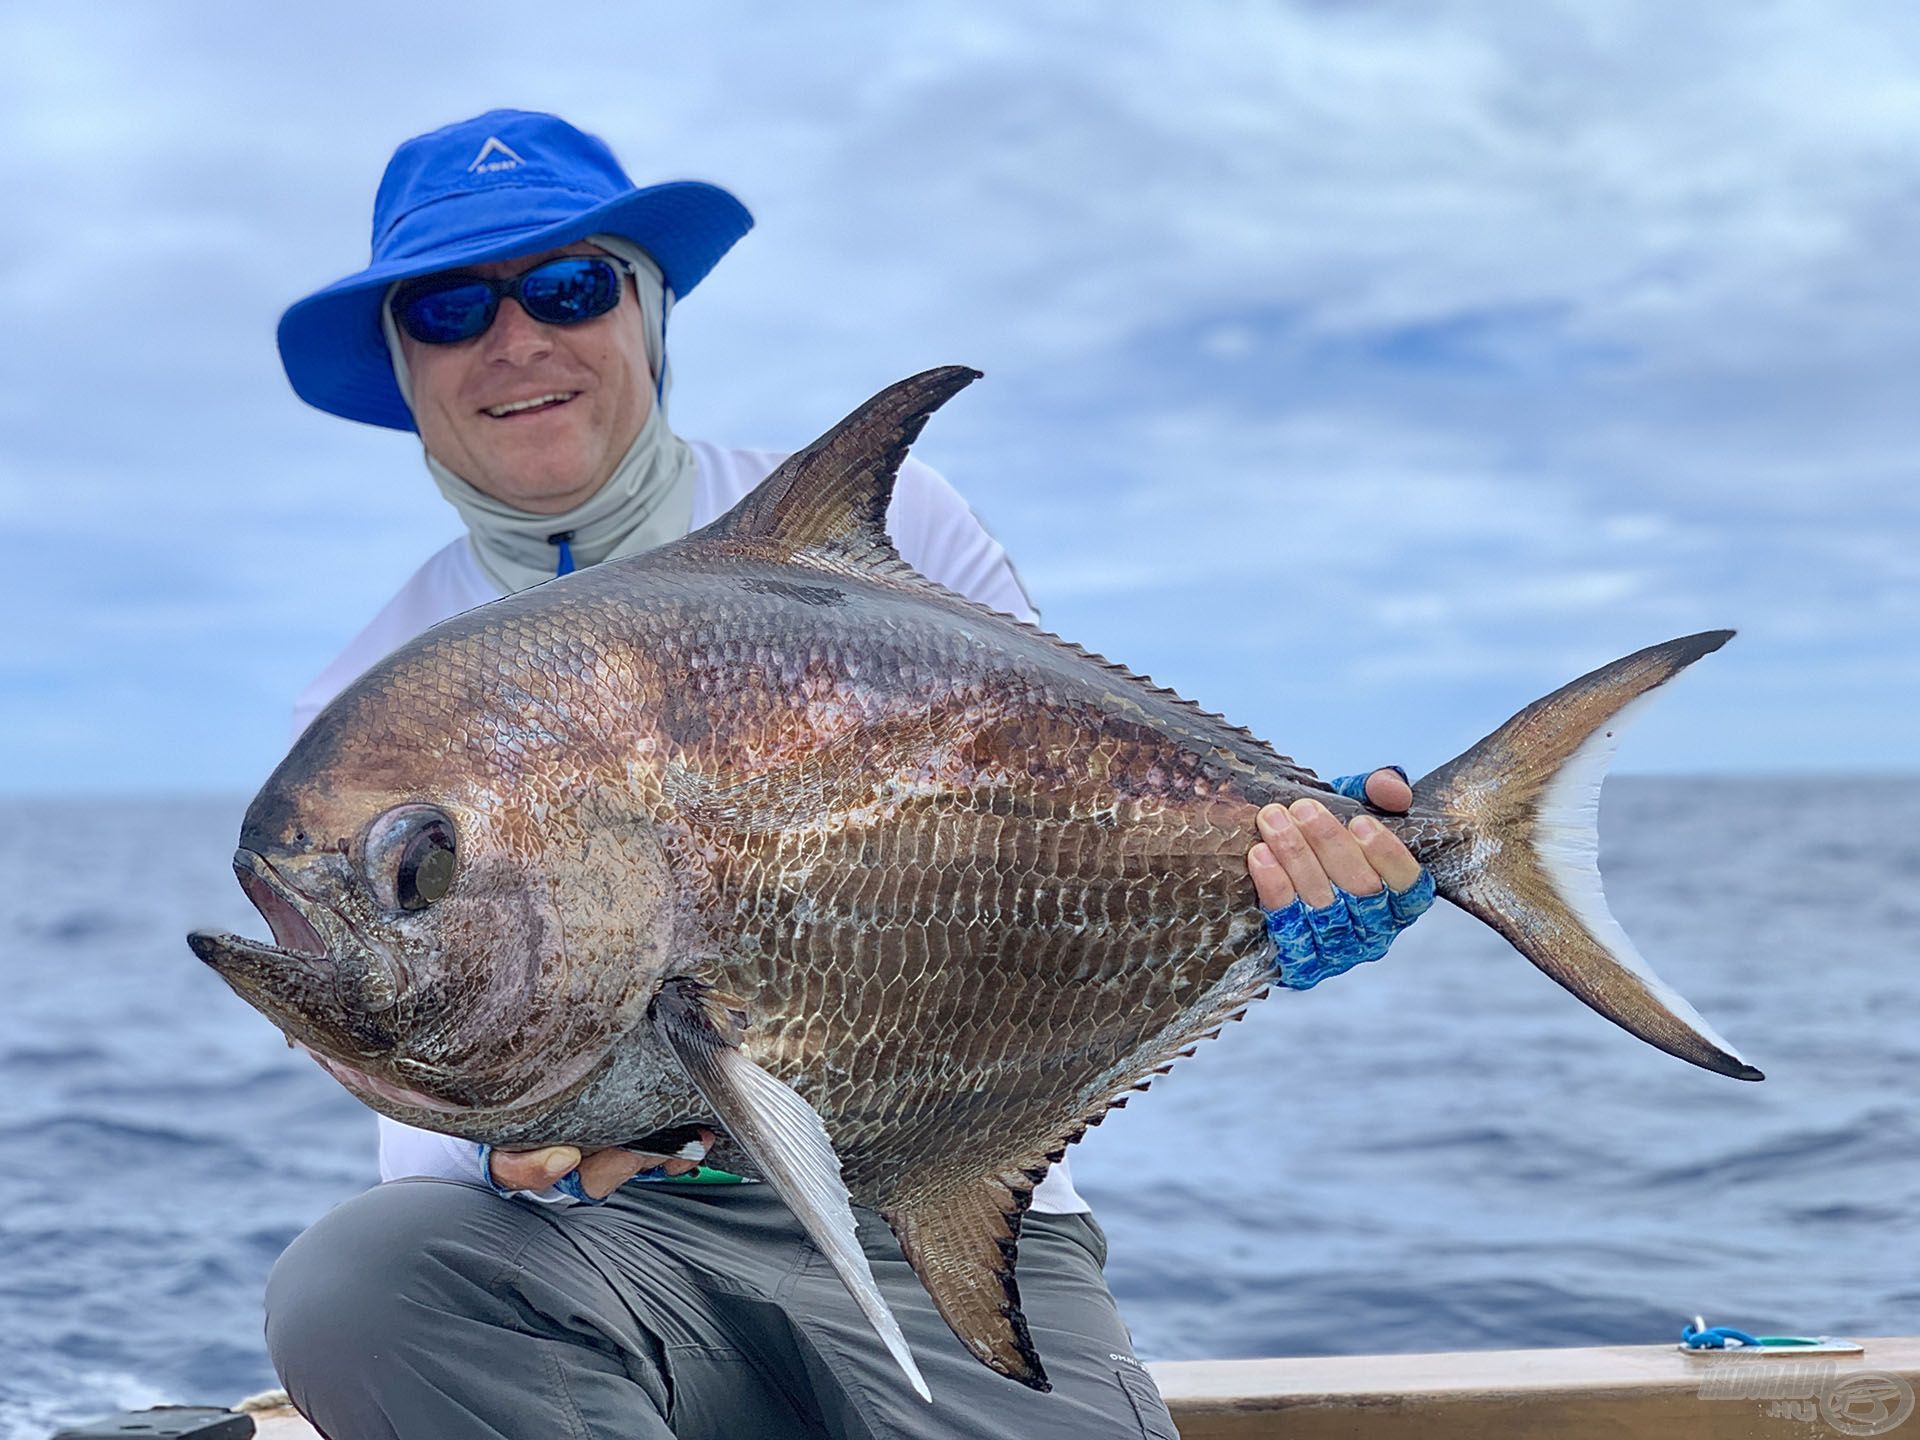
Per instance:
x=829, y=501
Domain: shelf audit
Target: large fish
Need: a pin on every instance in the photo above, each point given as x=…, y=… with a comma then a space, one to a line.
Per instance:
x=764, y=831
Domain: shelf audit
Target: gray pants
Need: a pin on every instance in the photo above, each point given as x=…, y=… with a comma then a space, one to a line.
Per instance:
x=438, y=1311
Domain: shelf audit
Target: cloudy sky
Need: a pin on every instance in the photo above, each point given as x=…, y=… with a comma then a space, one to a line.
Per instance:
x=1363, y=369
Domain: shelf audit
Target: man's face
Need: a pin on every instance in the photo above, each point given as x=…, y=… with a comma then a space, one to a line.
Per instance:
x=549, y=457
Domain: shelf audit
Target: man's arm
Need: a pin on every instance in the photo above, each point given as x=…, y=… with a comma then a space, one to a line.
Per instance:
x=938, y=534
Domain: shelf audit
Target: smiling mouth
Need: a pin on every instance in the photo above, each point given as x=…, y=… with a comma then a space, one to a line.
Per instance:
x=534, y=406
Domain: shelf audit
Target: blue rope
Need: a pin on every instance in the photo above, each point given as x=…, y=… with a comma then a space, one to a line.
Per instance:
x=564, y=540
x=1715, y=1337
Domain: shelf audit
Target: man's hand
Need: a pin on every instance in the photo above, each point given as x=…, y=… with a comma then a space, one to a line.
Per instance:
x=1305, y=851
x=1335, y=895
x=601, y=1171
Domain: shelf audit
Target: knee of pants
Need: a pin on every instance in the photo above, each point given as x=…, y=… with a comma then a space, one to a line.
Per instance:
x=379, y=1266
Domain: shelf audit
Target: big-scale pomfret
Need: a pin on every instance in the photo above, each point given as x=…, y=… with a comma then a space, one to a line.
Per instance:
x=762, y=830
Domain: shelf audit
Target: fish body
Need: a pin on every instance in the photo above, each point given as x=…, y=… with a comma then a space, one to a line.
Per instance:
x=765, y=831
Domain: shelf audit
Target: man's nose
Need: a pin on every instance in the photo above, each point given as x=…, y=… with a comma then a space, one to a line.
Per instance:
x=515, y=337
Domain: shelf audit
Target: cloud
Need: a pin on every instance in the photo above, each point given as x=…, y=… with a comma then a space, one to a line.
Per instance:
x=1446, y=347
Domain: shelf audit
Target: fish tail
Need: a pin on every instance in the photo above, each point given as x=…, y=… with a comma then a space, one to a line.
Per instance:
x=1520, y=815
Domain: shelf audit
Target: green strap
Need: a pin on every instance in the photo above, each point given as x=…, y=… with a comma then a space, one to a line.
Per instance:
x=707, y=1175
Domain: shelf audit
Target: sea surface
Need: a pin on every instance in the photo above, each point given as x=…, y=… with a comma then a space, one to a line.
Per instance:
x=1440, y=1151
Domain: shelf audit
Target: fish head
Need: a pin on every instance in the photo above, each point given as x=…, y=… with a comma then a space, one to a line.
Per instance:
x=461, y=942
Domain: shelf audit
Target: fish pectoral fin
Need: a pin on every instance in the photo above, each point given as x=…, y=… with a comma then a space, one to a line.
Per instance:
x=962, y=1242
x=786, y=1138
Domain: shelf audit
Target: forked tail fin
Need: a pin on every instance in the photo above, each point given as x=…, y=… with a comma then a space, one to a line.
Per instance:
x=1522, y=810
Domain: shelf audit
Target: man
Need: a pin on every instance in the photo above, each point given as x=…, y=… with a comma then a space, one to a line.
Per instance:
x=515, y=314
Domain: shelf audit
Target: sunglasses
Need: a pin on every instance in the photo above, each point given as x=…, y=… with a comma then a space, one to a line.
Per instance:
x=446, y=309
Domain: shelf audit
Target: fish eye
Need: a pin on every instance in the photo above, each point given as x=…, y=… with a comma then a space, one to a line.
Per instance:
x=411, y=857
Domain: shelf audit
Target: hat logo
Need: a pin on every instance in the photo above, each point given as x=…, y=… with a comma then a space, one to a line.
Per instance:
x=483, y=163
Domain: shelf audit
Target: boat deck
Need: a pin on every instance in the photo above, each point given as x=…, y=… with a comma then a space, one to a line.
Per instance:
x=1604, y=1393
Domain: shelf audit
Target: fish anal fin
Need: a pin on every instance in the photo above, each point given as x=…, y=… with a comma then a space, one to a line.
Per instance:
x=775, y=1125
x=829, y=501
x=962, y=1238
x=962, y=1241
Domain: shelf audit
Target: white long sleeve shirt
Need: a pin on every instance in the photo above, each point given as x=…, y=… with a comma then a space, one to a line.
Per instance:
x=932, y=528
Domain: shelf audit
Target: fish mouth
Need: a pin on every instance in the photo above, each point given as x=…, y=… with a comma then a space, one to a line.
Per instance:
x=293, y=934
x=290, y=916
x=331, y=993
x=316, y=976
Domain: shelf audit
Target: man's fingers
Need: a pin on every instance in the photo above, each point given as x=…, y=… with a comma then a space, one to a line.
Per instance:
x=1295, y=855
x=601, y=1171
x=605, y=1171
x=1388, y=791
x=532, y=1169
x=1337, y=851
x=1270, y=882
x=1386, y=853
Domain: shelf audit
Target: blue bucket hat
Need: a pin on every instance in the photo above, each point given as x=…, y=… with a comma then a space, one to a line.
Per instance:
x=506, y=183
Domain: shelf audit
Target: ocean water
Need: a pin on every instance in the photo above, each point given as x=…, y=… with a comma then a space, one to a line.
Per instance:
x=1440, y=1151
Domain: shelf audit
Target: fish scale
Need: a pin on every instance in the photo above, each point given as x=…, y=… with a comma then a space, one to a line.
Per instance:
x=765, y=832
x=1036, y=1072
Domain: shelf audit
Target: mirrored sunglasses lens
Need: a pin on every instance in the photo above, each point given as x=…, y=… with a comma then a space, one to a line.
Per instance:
x=443, y=316
x=565, y=292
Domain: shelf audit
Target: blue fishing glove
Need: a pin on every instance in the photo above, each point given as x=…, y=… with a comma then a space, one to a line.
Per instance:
x=1312, y=944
